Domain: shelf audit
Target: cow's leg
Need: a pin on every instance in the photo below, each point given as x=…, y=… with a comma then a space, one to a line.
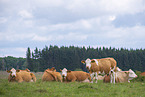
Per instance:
x=73, y=79
x=96, y=77
x=112, y=77
x=92, y=77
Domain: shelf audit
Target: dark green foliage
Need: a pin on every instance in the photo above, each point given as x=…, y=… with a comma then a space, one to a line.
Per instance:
x=7, y=63
x=70, y=58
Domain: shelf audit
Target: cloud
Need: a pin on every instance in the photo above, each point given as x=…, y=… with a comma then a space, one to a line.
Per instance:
x=18, y=52
x=25, y=14
x=36, y=23
x=42, y=38
x=112, y=18
x=3, y=20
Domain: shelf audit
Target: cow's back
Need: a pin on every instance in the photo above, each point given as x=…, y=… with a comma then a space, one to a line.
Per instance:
x=104, y=65
x=142, y=74
x=58, y=76
x=26, y=76
x=80, y=75
x=122, y=76
x=47, y=77
x=113, y=62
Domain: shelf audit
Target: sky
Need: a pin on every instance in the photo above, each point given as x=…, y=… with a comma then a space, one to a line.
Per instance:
x=94, y=23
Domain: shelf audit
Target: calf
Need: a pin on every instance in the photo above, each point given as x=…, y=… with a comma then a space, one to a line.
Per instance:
x=121, y=76
x=20, y=76
x=71, y=76
x=100, y=66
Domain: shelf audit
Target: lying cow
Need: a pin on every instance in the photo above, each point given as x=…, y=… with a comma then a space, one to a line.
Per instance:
x=25, y=70
x=51, y=75
x=71, y=76
x=121, y=76
x=20, y=76
x=100, y=66
x=142, y=74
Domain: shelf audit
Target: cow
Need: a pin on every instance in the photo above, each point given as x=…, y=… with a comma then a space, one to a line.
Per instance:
x=121, y=76
x=20, y=76
x=25, y=70
x=71, y=76
x=51, y=75
x=100, y=66
x=142, y=74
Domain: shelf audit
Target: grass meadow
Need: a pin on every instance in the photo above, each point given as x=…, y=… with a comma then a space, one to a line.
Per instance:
x=73, y=89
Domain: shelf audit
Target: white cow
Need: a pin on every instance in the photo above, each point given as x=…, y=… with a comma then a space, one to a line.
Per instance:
x=121, y=76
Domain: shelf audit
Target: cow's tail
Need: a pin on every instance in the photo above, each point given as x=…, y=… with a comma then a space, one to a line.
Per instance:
x=33, y=77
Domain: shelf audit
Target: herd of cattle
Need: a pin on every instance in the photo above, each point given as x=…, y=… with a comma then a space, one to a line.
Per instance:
x=104, y=66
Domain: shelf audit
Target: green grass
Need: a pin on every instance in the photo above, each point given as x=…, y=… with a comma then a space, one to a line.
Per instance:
x=74, y=89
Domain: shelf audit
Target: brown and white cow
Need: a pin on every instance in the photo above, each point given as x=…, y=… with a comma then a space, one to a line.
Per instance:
x=51, y=75
x=20, y=76
x=100, y=66
x=142, y=74
x=25, y=70
x=71, y=76
x=121, y=76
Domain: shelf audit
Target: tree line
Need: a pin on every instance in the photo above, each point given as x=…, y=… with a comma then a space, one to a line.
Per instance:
x=70, y=58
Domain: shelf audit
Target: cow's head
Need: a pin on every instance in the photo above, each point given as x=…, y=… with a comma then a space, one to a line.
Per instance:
x=87, y=62
x=132, y=74
x=64, y=72
x=13, y=72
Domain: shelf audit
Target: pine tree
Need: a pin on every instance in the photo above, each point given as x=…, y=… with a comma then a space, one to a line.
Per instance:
x=29, y=59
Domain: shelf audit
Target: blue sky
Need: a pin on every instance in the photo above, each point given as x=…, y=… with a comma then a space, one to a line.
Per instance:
x=95, y=23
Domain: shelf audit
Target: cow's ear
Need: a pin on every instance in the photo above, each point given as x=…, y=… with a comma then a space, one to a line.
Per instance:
x=27, y=70
x=52, y=69
x=126, y=72
x=18, y=70
x=8, y=71
x=92, y=61
x=83, y=61
x=60, y=70
x=68, y=71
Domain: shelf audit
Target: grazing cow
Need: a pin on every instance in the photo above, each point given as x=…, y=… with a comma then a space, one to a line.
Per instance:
x=100, y=66
x=121, y=76
x=20, y=76
x=51, y=75
x=142, y=74
x=71, y=76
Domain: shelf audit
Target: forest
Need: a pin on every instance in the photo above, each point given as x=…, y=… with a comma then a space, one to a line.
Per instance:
x=70, y=58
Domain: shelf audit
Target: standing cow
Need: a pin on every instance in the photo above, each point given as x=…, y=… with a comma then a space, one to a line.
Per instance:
x=100, y=66
x=121, y=76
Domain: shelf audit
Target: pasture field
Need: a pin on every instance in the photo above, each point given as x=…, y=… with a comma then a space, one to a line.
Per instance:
x=73, y=89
